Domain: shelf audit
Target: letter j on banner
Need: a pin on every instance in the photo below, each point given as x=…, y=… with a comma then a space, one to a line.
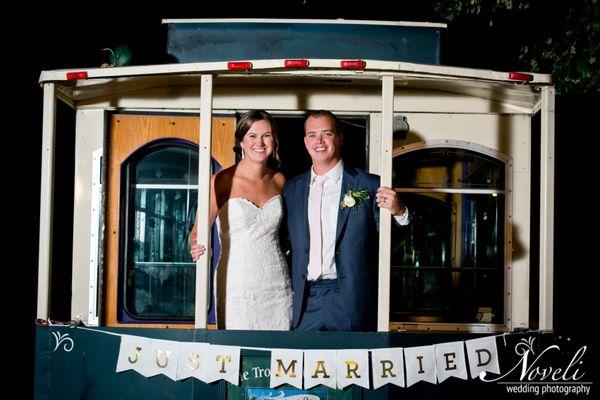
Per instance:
x=132, y=352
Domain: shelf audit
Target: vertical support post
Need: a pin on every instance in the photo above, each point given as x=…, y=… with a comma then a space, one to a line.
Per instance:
x=203, y=222
x=385, y=218
x=46, y=201
x=547, y=210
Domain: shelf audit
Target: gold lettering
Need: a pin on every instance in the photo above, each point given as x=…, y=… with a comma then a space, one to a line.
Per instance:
x=291, y=367
x=193, y=361
x=351, y=367
x=387, y=366
x=320, y=370
x=450, y=362
x=138, y=353
x=167, y=356
x=421, y=370
x=481, y=363
x=223, y=359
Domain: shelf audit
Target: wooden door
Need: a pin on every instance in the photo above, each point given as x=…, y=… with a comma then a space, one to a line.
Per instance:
x=129, y=135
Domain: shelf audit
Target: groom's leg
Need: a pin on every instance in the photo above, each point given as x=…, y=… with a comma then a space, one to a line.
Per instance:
x=337, y=320
x=312, y=317
x=325, y=310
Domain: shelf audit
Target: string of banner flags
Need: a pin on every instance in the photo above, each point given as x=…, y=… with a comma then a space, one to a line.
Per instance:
x=305, y=369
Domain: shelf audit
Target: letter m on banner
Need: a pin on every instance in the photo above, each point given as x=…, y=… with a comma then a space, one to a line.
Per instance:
x=286, y=367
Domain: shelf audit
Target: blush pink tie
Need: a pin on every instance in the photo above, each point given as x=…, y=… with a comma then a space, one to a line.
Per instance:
x=315, y=261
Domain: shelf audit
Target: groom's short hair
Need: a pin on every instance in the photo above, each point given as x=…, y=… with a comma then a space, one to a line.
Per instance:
x=324, y=113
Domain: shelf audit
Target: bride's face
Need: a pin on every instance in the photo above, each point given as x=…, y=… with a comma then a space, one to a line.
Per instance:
x=258, y=142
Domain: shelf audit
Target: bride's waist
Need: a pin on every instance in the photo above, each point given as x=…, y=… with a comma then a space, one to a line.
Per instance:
x=252, y=240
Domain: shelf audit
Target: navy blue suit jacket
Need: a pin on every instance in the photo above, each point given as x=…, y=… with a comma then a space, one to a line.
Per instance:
x=356, y=249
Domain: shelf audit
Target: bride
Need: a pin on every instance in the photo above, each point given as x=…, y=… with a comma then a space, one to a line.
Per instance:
x=253, y=288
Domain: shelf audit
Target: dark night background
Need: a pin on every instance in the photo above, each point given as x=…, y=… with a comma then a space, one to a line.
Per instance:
x=68, y=36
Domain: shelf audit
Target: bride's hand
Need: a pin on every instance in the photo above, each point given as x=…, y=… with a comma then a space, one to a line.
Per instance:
x=196, y=251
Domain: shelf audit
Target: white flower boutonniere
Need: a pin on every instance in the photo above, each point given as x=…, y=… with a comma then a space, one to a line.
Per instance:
x=353, y=198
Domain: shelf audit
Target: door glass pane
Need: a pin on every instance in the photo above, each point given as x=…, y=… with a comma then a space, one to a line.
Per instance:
x=446, y=295
x=162, y=192
x=447, y=168
x=448, y=263
x=168, y=165
x=164, y=274
x=453, y=230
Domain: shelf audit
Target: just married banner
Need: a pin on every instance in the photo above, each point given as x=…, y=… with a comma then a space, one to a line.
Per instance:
x=305, y=369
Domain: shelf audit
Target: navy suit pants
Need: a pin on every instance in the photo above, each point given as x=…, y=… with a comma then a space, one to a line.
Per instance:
x=324, y=308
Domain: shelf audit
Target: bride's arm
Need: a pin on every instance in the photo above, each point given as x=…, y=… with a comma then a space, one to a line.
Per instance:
x=196, y=250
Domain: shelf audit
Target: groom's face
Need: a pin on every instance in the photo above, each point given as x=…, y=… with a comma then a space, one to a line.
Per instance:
x=321, y=140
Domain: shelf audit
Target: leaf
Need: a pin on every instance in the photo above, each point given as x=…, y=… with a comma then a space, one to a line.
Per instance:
x=582, y=68
x=533, y=64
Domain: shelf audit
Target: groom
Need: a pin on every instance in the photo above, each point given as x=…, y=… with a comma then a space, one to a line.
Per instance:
x=333, y=219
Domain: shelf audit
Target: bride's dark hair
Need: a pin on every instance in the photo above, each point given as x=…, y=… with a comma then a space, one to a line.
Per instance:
x=244, y=124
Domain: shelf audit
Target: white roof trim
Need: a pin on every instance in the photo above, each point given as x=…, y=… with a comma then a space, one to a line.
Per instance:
x=373, y=66
x=305, y=21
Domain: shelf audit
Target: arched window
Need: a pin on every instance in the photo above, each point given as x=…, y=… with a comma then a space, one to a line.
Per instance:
x=448, y=264
x=159, y=193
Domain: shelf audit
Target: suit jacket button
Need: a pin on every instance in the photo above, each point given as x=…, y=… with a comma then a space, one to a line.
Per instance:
x=306, y=250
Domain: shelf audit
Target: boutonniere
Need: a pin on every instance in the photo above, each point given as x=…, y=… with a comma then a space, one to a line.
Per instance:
x=353, y=198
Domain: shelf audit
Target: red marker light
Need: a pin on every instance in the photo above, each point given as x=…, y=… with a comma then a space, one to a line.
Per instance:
x=353, y=64
x=296, y=63
x=519, y=76
x=73, y=76
x=237, y=65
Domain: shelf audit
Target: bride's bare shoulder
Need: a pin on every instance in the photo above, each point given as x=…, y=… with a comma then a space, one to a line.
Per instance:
x=279, y=180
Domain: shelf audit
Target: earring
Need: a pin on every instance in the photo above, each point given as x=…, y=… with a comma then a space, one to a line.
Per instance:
x=243, y=153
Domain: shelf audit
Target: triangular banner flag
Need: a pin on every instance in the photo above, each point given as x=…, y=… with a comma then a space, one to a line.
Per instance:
x=132, y=351
x=420, y=364
x=193, y=358
x=319, y=368
x=450, y=360
x=388, y=367
x=163, y=358
x=352, y=368
x=483, y=356
x=286, y=367
x=223, y=363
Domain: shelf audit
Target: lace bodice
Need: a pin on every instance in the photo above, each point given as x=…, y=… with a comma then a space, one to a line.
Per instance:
x=253, y=284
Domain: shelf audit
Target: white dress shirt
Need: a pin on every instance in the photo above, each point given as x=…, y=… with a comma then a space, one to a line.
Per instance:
x=330, y=205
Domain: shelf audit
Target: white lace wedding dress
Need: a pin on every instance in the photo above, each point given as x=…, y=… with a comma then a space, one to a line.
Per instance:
x=253, y=285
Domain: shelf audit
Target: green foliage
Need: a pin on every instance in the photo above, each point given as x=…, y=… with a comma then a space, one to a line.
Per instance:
x=568, y=51
x=451, y=9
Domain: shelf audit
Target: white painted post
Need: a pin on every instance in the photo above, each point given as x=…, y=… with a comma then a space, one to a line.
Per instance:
x=203, y=223
x=46, y=201
x=385, y=218
x=547, y=210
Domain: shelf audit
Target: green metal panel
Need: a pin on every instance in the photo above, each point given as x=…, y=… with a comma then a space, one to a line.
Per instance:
x=76, y=363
